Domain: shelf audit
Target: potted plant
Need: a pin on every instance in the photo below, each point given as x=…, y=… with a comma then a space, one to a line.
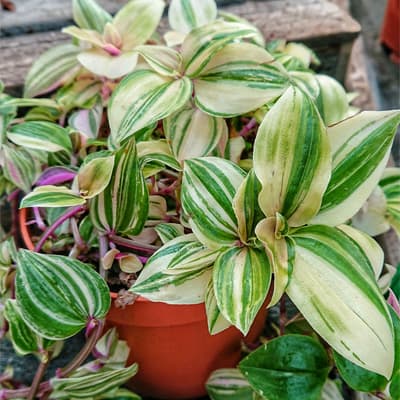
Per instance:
x=204, y=174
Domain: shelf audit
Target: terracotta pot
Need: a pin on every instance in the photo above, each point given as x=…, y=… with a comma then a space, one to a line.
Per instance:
x=173, y=348
x=390, y=31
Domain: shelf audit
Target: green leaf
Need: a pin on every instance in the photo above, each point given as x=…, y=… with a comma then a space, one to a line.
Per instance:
x=82, y=93
x=182, y=131
x=41, y=136
x=161, y=59
x=390, y=184
x=137, y=21
x=291, y=159
x=359, y=378
x=208, y=187
x=360, y=147
x=242, y=276
x=185, y=15
x=239, y=78
x=48, y=103
x=51, y=70
x=394, y=387
x=52, y=196
x=330, y=271
x=142, y=98
x=89, y=15
x=120, y=394
x=290, y=367
x=156, y=284
x=94, y=176
x=59, y=295
x=123, y=205
x=229, y=384
x=167, y=231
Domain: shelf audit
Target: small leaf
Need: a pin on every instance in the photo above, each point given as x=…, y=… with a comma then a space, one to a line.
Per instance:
x=52, y=196
x=58, y=295
x=89, y=15
x=290, y=367
x=167, y=231
x=163, y=60
x=87, y=121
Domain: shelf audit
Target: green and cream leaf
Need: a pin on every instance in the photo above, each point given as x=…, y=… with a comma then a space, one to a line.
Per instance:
x=88, y=14
x=52, y=196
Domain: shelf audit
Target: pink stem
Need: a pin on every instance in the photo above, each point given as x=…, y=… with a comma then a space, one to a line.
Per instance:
x=132, y=244
x=248, y=127
x=38, y=219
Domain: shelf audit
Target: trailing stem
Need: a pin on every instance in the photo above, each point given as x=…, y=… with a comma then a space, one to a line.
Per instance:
x=133, y=244
x=38, y=376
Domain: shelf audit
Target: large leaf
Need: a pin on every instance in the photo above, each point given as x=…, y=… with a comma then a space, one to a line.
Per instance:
x=123, y=205
x=334, y=287
x=390, y=184
x=58, y=295
x=360, y=148
x=240, y=77
x=137, y=21
x=185, y=15
x=51, y=70
x=41, y=136
x=290, y=367
x=144, y=97
x=156, y=284
x=208, y=187
x=192, y=133
x=89, y=15
x=291, y=158
x=241, y=276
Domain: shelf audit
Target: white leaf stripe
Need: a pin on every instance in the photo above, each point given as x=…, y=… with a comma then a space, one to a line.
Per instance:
x=73, y=293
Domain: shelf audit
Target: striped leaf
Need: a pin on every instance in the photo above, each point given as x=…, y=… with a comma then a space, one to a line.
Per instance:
x=241, y=276
x=169, y=231
x=88, y=14
x=20, y=167
x=42, y=102
x=162, y=59
x=360, y=148
x=390, y=184
x=185, y=15
x=334, y=287
x=142, y=98
x=137, y=21
x=92, y=385
x=123, y=206
x=41, y=136
x=203, y=42
x=23, y=339
x=82, y=93
x=270, y=232
x=215, y=320
x=292, y=159
x=208, y=187
x=331, y=391
x=240, y=77
x=58, y=295
x=246, y=207
x=156, y=284
x=229, y=384
x=192, y=133
x=52, y=196
x=51, y=70
x=94, y=176
x=87, y=121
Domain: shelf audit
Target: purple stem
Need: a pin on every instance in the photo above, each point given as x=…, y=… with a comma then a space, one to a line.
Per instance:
x=132, y=244
x=38, y=219
x=248, y=127
x=59, y=221
x=103, y=248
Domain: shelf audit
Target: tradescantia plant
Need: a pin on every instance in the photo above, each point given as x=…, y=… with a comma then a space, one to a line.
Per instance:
x=201, y=166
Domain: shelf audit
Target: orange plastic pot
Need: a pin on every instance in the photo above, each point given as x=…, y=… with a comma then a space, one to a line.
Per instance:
x=390, y=31
x=173, y=348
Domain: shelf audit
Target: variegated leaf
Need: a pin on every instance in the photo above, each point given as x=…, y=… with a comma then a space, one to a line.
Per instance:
x=215, y=320
x=360, y=148
x=123, y=206
x=208, y=187
x=156, y=151
x=142, y=98
x=137, y=21
x=334, y=287
x=241, y=276
x=390, y=184
x=192, y=133
x=87, y=121
x=240, y=77
x=185, y=15
x=94, y=176
x=280, y=249
x=203, y=42
x=58, y=311
x=156, y=285
x=292, y=159
x=52, y=196
x=161, y=59
x=80, y=94
x=246, y=207
x=41, y=136
x=169, y=231
x=42, y=102
x=89, y=15
x=52, y=69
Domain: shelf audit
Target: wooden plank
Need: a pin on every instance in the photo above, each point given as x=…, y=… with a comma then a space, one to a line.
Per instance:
x=316, y=22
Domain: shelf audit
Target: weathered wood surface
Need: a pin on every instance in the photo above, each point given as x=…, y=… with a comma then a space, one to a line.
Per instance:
x=315, y=22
